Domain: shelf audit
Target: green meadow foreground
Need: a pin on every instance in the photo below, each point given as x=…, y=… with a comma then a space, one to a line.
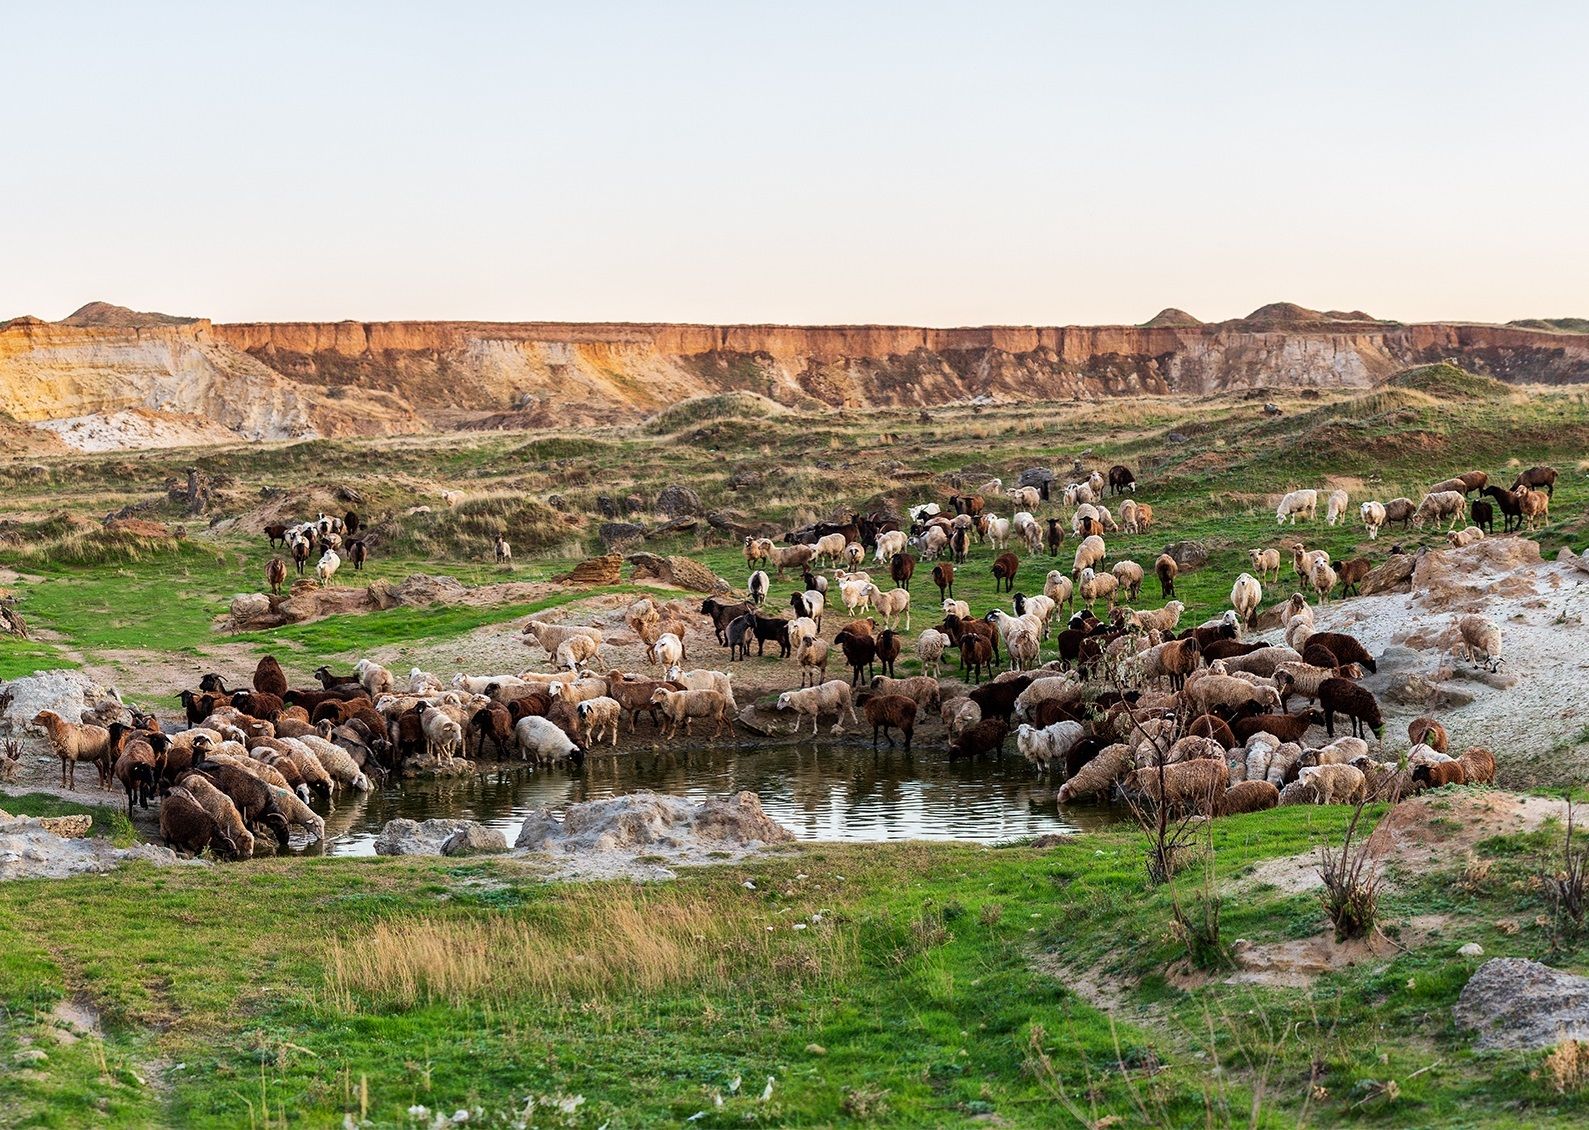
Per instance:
x=898, y=984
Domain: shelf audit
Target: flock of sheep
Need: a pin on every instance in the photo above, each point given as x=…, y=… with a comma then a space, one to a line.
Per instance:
x=327, y=535
x=1131, y=703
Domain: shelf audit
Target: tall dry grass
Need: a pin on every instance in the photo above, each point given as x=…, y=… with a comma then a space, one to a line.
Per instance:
x=598, y=944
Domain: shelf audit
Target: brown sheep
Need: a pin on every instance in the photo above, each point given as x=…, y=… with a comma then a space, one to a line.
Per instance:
x=976, y=655
x=1353, y=573
x=269, y=678
x=223, y=812
x=1357, y=703
x=74, y=742
x=275, y=574
x=1190, y=786
x=495, y=722
x=1345, y=648
x=138, y=764
x=1478, y=765
x=891, y=711
x=1180, y=658
x=943, y=575
x=1004, y=568
x=1286, y=727
x=186, y=826
x=1212, y=726
x=1439, y=775
x=1427, y=731
x=984, y=738
x=252, y=797
x=1167, y=569
x=1247, y=796
x=257, y=704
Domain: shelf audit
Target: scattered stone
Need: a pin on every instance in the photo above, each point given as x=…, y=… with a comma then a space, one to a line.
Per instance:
x=1178, y=437
x=557, y=502
x=475, y=839
x=30, y=1056
x=430, y=837
x=1035, y=477
x=1049, y=840
x=614, y=534
x=1472, y=949
x=676, y=501
x=676, y=526
x=1517, y=1003
x=1188, y=554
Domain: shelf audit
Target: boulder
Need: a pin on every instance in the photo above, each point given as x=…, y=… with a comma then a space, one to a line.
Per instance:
x=681, y=571
x=251, y=610
x=1516, y=1003
x=475, y=839
x=1392, y=574
x=67, y=693
x=676, y=501
x=430, y=837
x=1188, y=554
x=1035, y=477
x=613, y=534
x=652, y=820
x=606, y=570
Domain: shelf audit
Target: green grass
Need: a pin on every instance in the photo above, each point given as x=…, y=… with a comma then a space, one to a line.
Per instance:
x=913, y=994
x=108, y=821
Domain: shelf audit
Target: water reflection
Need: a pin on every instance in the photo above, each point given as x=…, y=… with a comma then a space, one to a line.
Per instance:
x=819, y=792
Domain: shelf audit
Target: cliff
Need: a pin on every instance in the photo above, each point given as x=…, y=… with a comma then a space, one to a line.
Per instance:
x=280, y=380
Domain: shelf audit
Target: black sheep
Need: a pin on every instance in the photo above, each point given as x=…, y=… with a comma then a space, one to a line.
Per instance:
x=1356, y=702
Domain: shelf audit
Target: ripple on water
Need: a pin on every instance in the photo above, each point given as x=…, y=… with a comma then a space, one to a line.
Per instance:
x=819, y=792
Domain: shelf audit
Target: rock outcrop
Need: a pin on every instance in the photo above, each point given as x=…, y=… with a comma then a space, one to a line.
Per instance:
x=153, y=374
x=1517, y=1003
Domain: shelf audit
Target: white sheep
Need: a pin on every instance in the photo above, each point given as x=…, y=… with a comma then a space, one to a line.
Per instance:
x=543, y=741
x=1094, y=586
x=1022, y=647
x=1480, y=641
x=575, y=651
x=668, y=651
x=375, y=679
x=422, y=682
x=1059, y=588
x=1264, y=562
x=801, y=629
x=1089, y=554
x=577, y=691
x=549, y=636
x=959, y=609
x=889, y=542
x=1335, y=506
x=1029, y=498
x=1460, y=539
x=1297, y=503
x=1373, y=515
x=998, y=531
x=891, y=605
x=704, y=679
x=443, y=734
x=1336, y=784
x=1323, y=580
x=832, y=697
x=1048, y=745
x=1245, y=597
x=857, y=595
x=1162, y=620
x=930, y=646
x=813, y=658
x=830, y=547
x=326, y=568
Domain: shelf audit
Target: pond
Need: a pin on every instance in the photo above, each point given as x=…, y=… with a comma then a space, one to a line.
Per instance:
x=832, y=791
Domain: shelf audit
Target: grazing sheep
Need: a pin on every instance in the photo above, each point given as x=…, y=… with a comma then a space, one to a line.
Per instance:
x=1357, y=703
x=1215, y=693
x=1098, y=776
x=1344, y=649
x=832, y=697
x=1478, y=766
x=1245, y=597
x=1437, y=507
x=575, y=652
x=1335, y=507
x=1400, y=510
x=1166, y=568
x=1538, y=478
x=1461, y=539
x=890, y=605
x=1129, y=574
x=1298, y=678
x=1424, y=730
x=598, y=716
x=930, y=646
x=1335, y=784
x=1059, y=588
x=1479, y=642
x=74, y=742
x=757, y=587
x=1246, y=796
x=800, y=631
x=1004, y=569
x=1188, y=786
x=222, y=811
x=1303, y=503
x=297, y=812
x=275, y=574
x=1373, y=516
x=1164, y=620
x=1089, y=555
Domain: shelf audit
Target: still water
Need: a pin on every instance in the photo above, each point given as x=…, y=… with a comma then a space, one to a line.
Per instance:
x=819, y=792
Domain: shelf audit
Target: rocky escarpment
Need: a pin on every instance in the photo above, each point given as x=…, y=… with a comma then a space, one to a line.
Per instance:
x=277, y=380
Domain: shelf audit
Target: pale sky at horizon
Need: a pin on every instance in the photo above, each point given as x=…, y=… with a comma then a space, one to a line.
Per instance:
x=914, y=163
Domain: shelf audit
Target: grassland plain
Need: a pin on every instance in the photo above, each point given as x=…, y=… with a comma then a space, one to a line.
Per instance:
x=929, y=985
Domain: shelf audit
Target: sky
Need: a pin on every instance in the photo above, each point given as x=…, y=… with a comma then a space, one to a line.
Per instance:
x=916, y=163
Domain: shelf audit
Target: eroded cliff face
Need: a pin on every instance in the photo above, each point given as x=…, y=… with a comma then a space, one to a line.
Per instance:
x=279, y=380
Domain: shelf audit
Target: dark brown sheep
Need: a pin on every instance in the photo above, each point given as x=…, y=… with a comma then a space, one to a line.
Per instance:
x=888, y=712
x=1179, y=658
x=976, y=656
x=1229, y=649
x=275, y=574
x=257, y=704
x=330, y=681
x=724, y=613
x=1004, y=568
x=252, y=797
x=186, y=827
x=1166, y=569
x=1049, y=711
x=901, y=567
x=1357, y=703
x=997, y=699
x=888, y=647
x=493, y=721
x=1212, y=726
x=139, y=763
x=981, y=740
x=276, y=533
x=1345, y=648
x=859, y=652
x=1439, y=775
x=1054, y=537
x=199, y=705
x=1538, y=478
x=943, y=575
x=358, y=553
x=1286, y=727
x=269, y=678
